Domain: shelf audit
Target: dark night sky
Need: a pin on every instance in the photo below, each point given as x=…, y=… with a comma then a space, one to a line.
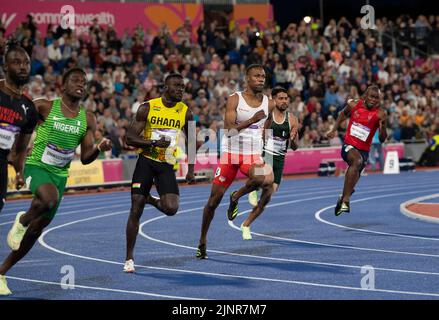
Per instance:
x=286, y=11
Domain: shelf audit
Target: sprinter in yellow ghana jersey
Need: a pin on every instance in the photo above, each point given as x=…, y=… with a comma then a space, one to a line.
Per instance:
x=156, y=131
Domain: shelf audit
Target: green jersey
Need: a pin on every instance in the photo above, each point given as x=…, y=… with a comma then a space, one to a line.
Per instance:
x=277, y=143
x=57, y=139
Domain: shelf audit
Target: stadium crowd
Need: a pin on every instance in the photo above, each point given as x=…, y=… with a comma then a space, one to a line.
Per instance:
x=320, y=65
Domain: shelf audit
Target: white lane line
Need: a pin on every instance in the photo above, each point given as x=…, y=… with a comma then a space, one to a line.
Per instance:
x=273, y=280
x=143, y=234
x=83, y=199
x=413, y=215
x=129, y=204
x=334, y=245
x=359, y=191
x=142, y=293
x=100, y=208
x=74, y=211
x=79, y=205
x=222, y=275
x=70, y=202
x=317, y=215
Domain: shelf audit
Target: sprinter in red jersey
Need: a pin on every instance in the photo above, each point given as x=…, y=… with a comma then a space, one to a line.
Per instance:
x=366, y=117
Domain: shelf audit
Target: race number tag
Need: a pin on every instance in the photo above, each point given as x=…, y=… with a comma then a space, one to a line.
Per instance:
x=276, y=144
x=57, y=157
x=359, y=131
x=7, y=135
x=169, y=134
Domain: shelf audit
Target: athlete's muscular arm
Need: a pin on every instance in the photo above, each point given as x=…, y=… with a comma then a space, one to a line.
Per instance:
x=134, y=133
x=18, y=156
x=342, y=116
x=382, y=115
x=44, y=107
x=230, y=119
x=190, y=176
x=89, y=152
x=271, y=106
x=294, y=135
x=18, y=153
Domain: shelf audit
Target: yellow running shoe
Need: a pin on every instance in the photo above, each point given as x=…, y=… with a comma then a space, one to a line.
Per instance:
x=16, y=233
x=246, y=234
x=253, y=198
x=4, y=290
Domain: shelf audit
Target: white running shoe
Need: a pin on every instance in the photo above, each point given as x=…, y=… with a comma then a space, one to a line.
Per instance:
x=253, y=198
x=16, y=234
x=4, y=290
x=246, y=234
x=129, y=266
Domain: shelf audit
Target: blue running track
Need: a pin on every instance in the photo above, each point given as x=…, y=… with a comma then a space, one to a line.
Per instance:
x=300, y=250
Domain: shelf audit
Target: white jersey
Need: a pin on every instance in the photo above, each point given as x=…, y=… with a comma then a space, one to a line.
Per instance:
x=248, y=141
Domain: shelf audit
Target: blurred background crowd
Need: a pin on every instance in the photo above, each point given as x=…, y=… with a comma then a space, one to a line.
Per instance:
x=320, y=65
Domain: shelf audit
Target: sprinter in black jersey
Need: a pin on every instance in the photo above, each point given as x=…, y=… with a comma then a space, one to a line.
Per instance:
x=18, y=116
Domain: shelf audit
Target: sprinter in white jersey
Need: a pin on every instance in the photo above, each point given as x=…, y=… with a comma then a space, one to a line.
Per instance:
x=246, y=118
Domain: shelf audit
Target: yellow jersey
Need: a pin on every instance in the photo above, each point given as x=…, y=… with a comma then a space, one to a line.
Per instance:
x=435, y=142
x=164, y=122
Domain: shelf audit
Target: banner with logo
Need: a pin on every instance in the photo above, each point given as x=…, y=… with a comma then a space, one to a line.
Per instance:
x=121, y=15
x=98, y=172
x=90, y=174
x=300, y=161
x=113, y=170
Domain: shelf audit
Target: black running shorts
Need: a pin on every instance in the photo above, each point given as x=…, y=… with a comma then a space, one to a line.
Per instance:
x=149, y=172
x=364, y=155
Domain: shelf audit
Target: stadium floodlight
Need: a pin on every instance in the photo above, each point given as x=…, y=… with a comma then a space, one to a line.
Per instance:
x=307, y=19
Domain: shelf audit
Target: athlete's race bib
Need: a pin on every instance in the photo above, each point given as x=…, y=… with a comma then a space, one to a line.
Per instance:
x=7, y=135
x=57, y=157
x=276, y=144
x=359, y=131
x=169, y=134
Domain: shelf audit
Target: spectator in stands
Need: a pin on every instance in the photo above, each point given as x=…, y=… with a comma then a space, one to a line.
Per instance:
x=316, y=73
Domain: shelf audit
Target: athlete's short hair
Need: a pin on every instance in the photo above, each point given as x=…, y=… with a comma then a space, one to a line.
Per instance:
x=253, y=66
x=173, y=76
x=373, y=87
x=71, y=71
x=277, y=90
x=12, y=45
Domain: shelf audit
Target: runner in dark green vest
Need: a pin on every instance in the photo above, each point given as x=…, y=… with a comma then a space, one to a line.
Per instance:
x=66, y=126
x=283, y=134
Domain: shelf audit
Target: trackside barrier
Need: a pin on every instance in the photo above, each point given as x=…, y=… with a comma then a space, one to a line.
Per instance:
x=118, y=172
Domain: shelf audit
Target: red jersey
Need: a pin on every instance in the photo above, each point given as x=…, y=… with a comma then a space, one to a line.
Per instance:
x=363, y=124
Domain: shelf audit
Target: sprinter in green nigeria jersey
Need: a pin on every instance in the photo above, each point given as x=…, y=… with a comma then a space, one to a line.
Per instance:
x=281, y=134
x=66, y=125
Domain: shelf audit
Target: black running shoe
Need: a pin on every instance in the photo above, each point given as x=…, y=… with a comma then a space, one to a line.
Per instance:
x=338, y=206
x=232, y=212
x=343, y=208
x=337, y=210
x=201, y=252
